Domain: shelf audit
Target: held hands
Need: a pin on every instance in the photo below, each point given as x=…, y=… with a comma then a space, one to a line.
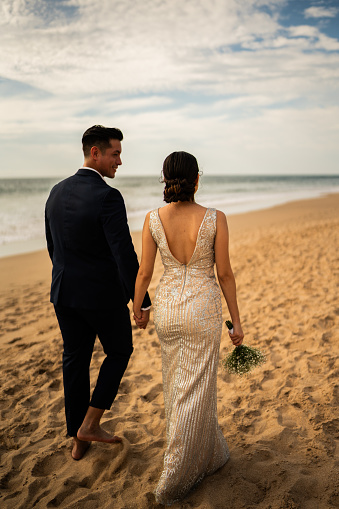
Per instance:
x=237, y=336
x=141, y=318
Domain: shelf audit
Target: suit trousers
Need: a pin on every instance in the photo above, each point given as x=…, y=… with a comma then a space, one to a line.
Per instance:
x=79, y=329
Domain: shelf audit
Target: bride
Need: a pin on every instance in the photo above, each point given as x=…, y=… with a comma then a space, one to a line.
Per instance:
x=188, y=321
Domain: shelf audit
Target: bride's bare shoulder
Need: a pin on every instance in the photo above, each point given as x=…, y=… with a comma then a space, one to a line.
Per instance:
x=220, y=214
x=221, y=217
x=202, y=208
x=167, y=206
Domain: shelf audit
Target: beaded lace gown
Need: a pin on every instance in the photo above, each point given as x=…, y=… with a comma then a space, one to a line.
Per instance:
x=188, y=321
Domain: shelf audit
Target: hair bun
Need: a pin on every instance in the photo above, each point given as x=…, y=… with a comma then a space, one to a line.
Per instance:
x=180, y=172
x=178, y=189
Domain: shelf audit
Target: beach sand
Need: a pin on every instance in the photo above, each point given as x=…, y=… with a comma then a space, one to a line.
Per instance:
x=281, y=421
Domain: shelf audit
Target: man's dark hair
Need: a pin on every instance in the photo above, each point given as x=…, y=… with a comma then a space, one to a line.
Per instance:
x=99, y=136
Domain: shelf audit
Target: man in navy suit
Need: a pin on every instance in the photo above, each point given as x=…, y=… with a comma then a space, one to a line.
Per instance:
x=93, y=277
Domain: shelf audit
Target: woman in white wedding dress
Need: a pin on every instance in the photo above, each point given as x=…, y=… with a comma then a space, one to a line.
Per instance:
x=188, y=321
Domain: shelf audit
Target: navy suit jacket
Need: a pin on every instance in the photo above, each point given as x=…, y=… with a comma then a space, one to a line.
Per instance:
x=88, y=240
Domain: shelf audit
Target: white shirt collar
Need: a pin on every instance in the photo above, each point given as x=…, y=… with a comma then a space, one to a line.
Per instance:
x=96, y=171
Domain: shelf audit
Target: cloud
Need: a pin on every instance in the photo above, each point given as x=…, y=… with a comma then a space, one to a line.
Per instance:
x=129, y=46
x=133, y=47
x=321, y=12
x=247, y=135
x=163, y=71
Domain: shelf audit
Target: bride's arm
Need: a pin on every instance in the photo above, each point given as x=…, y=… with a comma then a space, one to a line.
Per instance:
x=149, y=251
x=226, y=276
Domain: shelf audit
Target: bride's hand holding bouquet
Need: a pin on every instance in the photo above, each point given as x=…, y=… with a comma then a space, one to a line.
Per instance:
x=236, y=334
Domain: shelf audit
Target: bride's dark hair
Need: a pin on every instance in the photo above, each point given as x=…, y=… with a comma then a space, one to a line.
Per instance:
x=179, y=172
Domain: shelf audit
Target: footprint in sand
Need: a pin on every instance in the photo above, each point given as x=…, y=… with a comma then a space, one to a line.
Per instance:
x=57, y=405
x=55, y=385
x=303, y=489
x=263, y=455
x=14, y=340
x=27, y=429
x=49, y=465
x=153, y=393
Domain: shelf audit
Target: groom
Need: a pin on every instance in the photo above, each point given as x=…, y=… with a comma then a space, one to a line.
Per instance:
x=93, y=277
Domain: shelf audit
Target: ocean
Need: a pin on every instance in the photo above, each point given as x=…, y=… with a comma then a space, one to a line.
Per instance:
x=22, y=200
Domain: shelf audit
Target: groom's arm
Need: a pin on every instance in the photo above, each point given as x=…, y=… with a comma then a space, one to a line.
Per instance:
x=49, y=239
x=115, y=225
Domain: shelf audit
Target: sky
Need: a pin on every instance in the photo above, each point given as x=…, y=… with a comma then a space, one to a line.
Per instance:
x=247, y=86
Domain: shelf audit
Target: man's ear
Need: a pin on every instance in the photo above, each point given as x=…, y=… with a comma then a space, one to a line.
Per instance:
x=95, y=152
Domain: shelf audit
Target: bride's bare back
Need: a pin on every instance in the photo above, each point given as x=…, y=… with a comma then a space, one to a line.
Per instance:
x=181, y=222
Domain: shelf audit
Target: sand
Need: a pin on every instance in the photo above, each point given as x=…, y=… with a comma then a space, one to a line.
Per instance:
x=281, y=421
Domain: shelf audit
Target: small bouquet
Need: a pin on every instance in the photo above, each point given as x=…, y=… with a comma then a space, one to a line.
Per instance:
x=243, y=358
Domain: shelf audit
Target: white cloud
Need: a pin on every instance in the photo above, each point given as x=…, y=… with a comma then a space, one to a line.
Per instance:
x=321, y=12
x=259, y=139
x=132, y=46
x=195, y=71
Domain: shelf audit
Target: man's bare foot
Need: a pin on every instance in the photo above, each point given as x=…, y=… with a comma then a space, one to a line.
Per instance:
x=91, y=431
x=79, y=448
x=96, y=434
